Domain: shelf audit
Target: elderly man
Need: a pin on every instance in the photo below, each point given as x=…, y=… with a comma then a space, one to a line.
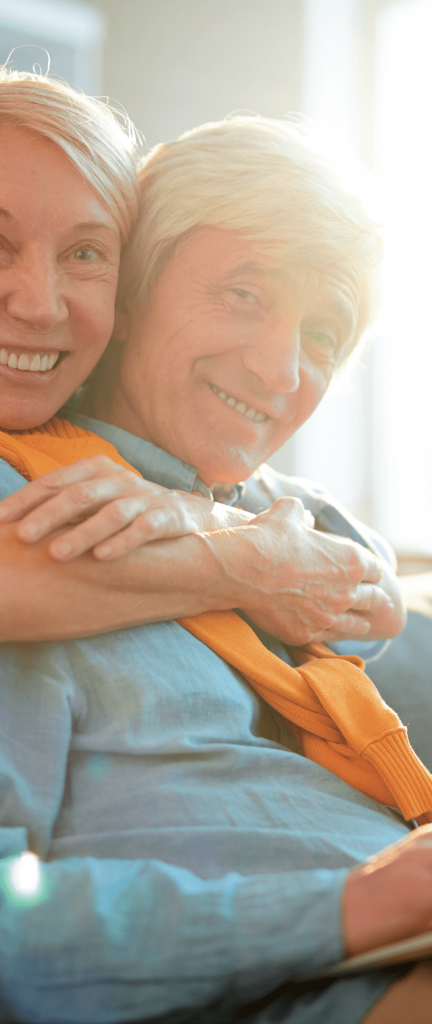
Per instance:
x=196, y=860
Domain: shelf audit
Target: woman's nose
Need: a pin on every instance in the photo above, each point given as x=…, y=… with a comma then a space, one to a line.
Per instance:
x=33, y=294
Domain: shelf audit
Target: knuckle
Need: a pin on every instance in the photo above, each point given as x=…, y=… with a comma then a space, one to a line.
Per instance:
x=104, y=462
x=132, y=478
x=305, y=635
x=82, y=494
x=288, y=506
x=120, y=513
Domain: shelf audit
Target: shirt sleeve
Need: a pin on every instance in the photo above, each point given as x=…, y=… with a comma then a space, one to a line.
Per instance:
x=109, y=940
x=10, y=480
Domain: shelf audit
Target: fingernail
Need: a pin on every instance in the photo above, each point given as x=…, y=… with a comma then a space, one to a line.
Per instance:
x=4, y=513
x=61, y=549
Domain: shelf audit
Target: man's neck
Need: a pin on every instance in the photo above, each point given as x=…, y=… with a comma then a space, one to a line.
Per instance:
x=106, y=401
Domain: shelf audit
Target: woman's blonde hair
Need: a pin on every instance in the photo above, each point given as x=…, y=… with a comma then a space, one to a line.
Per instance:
x=265, y=179
x=85, y=129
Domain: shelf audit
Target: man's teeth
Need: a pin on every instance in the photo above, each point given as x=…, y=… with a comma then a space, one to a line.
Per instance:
x=28, y=360
x=241, y=407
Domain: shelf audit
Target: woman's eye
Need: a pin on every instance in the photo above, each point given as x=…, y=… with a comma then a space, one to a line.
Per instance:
x=86, y=255
x=244, y=294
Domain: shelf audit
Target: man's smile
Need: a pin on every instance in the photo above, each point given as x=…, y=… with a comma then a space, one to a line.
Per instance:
x=245, y=410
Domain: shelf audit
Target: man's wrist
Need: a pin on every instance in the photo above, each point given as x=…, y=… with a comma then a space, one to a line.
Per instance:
x=231, y=557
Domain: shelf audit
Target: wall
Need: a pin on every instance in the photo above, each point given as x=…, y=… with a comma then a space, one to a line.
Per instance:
x=177, y=63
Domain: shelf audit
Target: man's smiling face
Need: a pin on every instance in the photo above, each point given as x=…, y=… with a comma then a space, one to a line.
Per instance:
x=231, y=354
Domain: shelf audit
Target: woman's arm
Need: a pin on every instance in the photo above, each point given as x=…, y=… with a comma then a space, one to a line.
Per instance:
x=296, y=583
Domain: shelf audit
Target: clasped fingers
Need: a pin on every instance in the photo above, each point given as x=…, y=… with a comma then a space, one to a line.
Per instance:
x=370, y=598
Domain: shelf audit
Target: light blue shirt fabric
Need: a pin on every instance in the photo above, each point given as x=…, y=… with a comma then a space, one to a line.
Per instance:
x=190, y=855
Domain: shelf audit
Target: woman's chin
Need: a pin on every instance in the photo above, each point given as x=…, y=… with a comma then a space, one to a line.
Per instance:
x=25, y=419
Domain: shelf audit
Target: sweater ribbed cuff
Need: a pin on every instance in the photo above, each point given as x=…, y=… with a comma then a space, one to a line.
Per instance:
x=406, y=776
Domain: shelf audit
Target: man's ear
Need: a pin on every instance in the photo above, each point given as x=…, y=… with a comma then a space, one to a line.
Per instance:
x=120, y=329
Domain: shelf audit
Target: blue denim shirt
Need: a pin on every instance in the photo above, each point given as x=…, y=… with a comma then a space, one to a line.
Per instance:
x=187, y=848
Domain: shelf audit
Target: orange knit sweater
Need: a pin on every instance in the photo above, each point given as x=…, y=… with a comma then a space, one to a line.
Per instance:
x=334, y=710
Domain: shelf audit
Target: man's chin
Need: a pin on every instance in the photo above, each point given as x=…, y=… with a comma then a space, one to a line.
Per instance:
x=229, y=470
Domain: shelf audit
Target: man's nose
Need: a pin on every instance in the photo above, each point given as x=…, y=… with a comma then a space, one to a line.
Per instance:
x=275, y=357
x=34, y=295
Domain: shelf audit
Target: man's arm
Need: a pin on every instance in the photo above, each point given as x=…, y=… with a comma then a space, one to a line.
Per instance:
x=117, y=939
x=114, y=940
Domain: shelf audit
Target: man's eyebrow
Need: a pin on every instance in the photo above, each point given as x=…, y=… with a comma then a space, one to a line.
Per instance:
x=258, y=269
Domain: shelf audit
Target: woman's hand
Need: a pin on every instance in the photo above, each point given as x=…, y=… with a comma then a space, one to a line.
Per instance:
x=294, y=582
x=114, y=510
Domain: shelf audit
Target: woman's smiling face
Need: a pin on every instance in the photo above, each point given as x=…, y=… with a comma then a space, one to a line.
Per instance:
x=231, y=353
x=59, y=259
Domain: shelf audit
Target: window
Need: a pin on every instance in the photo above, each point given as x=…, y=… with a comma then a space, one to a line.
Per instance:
x=71, y=33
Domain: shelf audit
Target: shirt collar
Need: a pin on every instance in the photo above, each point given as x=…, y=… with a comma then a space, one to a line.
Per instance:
x=153, y=463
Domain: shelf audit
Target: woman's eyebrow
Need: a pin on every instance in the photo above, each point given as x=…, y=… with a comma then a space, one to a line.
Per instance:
x=93, y=225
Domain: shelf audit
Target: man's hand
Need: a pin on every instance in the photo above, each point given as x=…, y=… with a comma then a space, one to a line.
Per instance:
x=301, y=585
x=390, y=896
x=115, y=510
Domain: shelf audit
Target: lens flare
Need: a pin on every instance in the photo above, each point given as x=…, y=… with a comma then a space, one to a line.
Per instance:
x=25, y=875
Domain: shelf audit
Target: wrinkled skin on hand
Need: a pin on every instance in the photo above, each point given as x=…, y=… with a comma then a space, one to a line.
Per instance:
x=111, y=510
x=301, y=585
x=296, y=583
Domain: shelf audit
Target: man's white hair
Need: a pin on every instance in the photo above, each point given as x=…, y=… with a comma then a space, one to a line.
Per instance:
x=265, y=179
x=85, y=129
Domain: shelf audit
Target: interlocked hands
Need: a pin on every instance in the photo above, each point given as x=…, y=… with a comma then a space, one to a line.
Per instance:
x=291, y=580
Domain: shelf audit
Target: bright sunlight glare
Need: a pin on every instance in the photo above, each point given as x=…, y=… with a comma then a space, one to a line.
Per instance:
x=25, y=875
x=404, y=355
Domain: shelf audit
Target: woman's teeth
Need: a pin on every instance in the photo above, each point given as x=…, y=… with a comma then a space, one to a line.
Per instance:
x=241, y=407
x=28, y=360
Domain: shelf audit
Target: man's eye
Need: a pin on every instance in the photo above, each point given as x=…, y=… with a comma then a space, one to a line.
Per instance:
x=86, y=255
x=244, y=294
x=325, y=341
